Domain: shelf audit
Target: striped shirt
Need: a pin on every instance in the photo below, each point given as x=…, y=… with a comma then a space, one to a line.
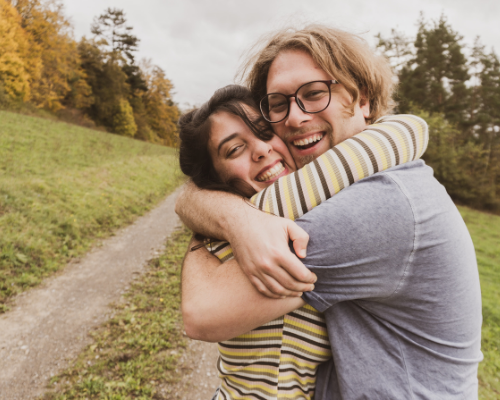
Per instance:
x=279, y=360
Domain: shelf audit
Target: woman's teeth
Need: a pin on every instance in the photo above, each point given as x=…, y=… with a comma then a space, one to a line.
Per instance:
x=312, y=139
x=272, y=173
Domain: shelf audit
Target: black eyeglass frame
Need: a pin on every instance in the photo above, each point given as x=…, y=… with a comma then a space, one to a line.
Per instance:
x=328, y=82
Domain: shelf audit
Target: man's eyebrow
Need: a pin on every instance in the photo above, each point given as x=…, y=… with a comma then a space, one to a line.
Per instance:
x=227, y=139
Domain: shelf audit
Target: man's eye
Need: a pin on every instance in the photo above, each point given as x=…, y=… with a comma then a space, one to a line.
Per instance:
x=314, y=95
x=278, y=106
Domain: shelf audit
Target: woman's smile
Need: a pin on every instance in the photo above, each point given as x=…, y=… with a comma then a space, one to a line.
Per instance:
x=238, y=154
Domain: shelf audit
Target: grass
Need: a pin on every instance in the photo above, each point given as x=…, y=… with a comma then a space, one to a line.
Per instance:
x=485, y=232
x=135, y=355
x=62, y=187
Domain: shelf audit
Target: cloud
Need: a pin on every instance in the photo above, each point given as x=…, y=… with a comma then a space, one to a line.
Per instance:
x=200, y=44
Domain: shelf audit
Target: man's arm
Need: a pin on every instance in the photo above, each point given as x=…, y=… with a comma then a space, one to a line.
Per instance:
x=259, y=240
x=219, y=302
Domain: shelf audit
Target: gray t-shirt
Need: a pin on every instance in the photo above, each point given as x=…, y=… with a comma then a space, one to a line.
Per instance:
x=399, y=287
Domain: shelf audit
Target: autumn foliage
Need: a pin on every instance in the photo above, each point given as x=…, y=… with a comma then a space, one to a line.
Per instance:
x=93, y=82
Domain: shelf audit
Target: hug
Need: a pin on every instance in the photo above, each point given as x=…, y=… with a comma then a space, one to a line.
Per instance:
x=328, y=262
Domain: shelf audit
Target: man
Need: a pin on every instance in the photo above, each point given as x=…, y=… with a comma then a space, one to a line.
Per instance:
x=397, y=276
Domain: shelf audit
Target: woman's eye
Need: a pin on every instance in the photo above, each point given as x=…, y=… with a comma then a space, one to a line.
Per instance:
x=233, y=150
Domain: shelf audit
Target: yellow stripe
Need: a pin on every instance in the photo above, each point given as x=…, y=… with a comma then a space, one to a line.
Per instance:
x=309, y=188
x=331, y=173
x=344, y=147
x=286, y=196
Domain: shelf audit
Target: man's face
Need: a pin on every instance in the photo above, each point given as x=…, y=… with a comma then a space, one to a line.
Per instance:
x=310, y=135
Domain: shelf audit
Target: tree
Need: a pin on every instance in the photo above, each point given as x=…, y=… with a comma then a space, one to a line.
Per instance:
x=397, y=48
x=123, y=120
x=15, y=69
x=61, y=77
x=435, y=78
x=116, y=37
x=107, y=81
x=161, y=112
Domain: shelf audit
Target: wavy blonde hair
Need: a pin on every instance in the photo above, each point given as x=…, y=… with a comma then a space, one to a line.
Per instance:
x=345, y=56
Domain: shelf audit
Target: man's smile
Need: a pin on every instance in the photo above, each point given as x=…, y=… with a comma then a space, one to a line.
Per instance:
x=304, y=143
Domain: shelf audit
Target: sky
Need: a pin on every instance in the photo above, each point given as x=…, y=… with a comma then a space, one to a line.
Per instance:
x=201, y=44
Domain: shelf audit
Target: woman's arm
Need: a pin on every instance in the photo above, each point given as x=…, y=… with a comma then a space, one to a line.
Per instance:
x=274, y=270
x=219, y=302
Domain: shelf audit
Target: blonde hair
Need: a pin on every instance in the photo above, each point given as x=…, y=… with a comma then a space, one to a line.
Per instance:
x=343, y=55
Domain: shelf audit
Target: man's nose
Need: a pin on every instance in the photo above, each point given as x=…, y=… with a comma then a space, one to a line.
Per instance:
x=296, y=116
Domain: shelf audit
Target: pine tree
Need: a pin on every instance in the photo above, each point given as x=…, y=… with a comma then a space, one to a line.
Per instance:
x=434, y=79
x=116, y=36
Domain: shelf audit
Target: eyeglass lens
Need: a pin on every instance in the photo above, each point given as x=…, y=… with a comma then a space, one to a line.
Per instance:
x=312, y=97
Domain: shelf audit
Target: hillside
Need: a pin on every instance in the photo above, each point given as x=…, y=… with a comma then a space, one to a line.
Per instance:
x=63, y=186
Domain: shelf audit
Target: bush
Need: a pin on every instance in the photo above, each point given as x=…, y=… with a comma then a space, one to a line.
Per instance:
x=123, y=121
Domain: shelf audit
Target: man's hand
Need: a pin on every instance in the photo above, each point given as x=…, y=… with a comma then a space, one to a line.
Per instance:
x=259, y=240
x=260, y=246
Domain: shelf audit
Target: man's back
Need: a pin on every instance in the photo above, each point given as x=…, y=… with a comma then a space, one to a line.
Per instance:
x=398, y=283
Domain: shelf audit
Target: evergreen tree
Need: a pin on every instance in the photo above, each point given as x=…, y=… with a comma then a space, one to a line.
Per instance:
x=434, y=79
x=116, y=36
x=107, y=80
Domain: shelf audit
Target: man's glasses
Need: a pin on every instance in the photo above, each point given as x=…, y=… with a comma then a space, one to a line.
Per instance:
x=312, y=98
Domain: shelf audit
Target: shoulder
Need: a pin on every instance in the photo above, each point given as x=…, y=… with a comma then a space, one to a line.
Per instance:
x=372, y=216
x=379, y=199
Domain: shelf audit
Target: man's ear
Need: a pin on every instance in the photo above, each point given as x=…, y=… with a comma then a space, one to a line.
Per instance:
x=364, y=105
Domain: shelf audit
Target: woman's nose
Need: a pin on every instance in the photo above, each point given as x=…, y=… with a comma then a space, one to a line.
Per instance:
x=261, y=149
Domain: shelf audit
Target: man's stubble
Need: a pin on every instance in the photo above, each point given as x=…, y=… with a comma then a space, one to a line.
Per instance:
x=301, y=161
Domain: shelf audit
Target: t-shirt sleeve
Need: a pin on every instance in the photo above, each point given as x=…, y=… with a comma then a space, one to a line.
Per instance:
x=361, y=242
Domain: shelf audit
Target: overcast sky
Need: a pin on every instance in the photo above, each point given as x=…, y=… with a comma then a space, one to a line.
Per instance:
x=200, y=44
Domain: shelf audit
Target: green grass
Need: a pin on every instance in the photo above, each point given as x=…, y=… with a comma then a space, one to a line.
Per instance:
x=135, y=355
x=62, y=187
x=485, y=231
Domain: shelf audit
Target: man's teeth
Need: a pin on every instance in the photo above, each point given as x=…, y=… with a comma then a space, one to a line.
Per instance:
x=311, y=139
x=272, y=173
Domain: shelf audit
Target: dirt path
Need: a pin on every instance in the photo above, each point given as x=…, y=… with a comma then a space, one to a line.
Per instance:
x=48, y=326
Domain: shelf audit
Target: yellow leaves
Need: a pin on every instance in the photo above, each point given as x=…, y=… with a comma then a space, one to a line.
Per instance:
x=14, y=76
x=123, y=121
x=39, y=60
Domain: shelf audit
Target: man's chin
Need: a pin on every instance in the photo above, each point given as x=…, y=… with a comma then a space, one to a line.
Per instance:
x=305, y=157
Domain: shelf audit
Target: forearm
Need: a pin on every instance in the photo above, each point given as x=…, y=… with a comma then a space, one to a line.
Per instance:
x=211, y=213
x=219, y=302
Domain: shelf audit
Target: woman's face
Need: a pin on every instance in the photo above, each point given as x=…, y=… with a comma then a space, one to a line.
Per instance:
x=237, y=153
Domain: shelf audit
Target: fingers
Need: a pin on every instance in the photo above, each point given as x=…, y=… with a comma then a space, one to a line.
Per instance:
x=296, y=270
x=299, y=237
x=269, y=287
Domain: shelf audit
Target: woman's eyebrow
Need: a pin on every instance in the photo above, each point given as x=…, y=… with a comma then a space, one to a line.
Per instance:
x=227, y=139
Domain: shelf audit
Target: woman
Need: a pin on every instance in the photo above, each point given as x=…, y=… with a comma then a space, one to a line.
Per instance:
x=225, y=145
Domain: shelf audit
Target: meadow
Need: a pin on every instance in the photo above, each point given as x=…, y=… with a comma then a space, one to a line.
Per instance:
x=62, y=187
x=485, y=231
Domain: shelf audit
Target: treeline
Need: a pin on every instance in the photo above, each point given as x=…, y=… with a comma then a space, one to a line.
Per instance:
x=457, y=90
x=93, y=82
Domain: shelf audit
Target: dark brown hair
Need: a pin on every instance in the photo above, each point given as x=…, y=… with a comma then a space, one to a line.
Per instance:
x=194, y=133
